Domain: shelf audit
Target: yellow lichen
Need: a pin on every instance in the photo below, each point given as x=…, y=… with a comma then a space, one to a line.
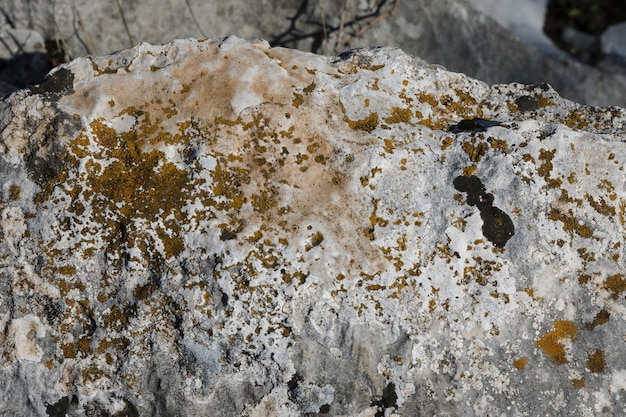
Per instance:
x=14, y=192
x=552, y=342
x=475, y=151
x=570, y=223
x=521, y=362
x=616, y=284
x=399, y=115
x=367, y=124
x=546, y=167
x=595, y=361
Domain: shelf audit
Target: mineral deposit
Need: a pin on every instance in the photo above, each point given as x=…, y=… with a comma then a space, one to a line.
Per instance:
x=217, y=227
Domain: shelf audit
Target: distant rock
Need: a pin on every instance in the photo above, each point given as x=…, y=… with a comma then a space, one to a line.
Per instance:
x=220, y=225
x=613, y=40
x=495, y=41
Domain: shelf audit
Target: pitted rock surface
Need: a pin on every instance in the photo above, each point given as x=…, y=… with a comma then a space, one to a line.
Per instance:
x=220, y=225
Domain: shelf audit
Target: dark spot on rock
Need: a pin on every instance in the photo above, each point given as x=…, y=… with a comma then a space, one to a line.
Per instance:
x=293, y=383
x=227, y=235
x=43, y=170
x=526, y=103
x=325, y=409
x=389, y=400
x=56, y=84
x=129, y=410
x=473, y=125
x=224, y=299
x=52, y=310
x=497, y=225
x=472, y=185
x=61, y=407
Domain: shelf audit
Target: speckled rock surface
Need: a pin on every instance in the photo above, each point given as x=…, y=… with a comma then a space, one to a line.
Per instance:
x=220, y=225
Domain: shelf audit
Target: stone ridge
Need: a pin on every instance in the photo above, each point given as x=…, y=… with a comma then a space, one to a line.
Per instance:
x=221, y=225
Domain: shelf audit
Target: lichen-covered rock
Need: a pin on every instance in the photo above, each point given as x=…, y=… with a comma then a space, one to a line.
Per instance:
x=221, y=225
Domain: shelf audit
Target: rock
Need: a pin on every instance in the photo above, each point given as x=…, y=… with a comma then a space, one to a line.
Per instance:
x=221, y=225
x=495, y=41
x=613, y=40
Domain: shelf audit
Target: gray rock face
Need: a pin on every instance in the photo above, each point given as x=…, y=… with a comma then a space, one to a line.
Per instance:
x=221, y=225
x=495, y=41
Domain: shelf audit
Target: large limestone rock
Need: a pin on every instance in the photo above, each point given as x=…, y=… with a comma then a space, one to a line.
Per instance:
x=224, y=228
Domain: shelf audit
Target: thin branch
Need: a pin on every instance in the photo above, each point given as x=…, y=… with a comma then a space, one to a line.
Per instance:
x=324, y=27
x=373, y=22
x=195, y=21
x=130, y=37
x=90, y=47
x=342, y=18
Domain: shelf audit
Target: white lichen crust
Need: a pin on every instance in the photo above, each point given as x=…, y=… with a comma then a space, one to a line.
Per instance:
x=218, y=224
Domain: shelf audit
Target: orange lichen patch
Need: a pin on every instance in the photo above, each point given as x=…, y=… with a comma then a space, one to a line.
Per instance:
x=227, y=183
x=367, y=124
x=14, y=192
x=67, y=270
x=132, y=192
x=577, y=119
x=552, y=341
x=546, y=167
x=298, y=99
x=578, y=383
x=600, y=206
x=399, y=115
x=314, y=240
x=469, y=170
x=521, y=362
x=474, y=150
x=570, y=223
x=69, y=350
x=595, y=361
x=616, y=284
x=446, y=142
x=601, y=318
x=498, y=144
x=390, y=145
x=427, y=98
x=531, y=293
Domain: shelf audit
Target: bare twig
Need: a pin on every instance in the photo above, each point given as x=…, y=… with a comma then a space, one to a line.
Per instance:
x=324, y=27
x=342, y=19
x=195, y=21
x=130, y=37
x=90, y=47
x=373, y=22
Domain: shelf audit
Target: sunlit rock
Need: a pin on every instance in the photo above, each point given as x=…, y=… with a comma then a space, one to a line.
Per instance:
x=221, y=225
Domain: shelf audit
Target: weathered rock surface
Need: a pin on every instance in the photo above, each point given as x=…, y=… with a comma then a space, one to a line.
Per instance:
x=221, y=225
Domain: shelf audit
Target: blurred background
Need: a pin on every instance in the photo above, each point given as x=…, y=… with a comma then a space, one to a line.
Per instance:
x=577, y=46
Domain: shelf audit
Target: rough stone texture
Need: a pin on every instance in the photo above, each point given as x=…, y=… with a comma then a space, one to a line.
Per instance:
x=221, y=225
x=496, y=41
